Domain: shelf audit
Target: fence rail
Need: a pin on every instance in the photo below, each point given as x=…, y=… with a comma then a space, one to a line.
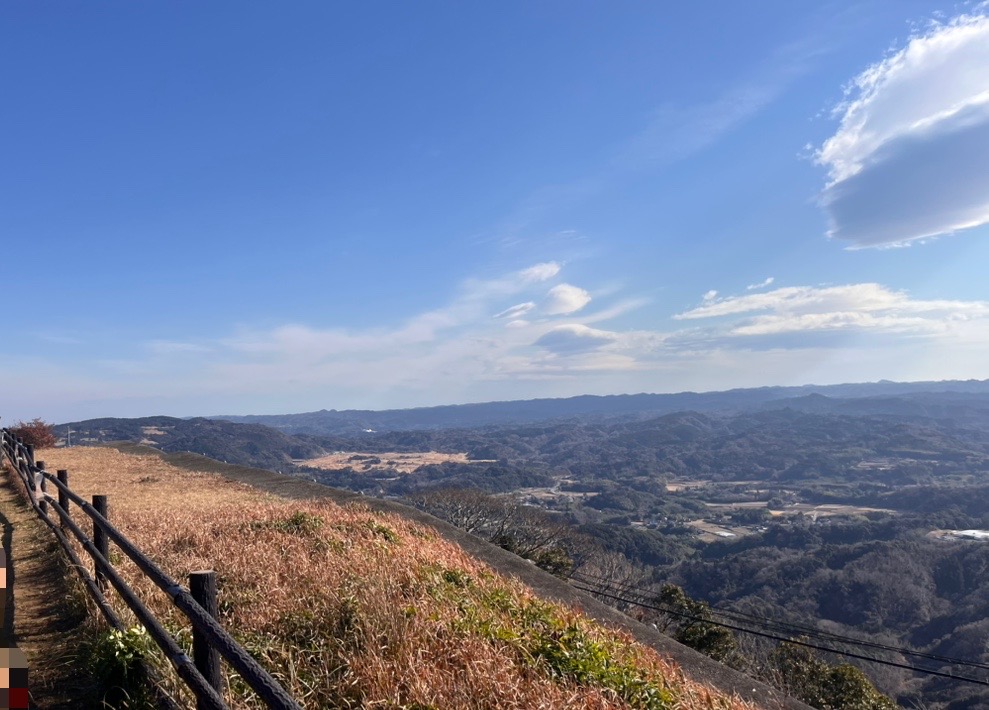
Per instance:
x=201, y=673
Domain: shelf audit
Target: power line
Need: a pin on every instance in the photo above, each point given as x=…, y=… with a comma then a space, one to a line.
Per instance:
x=780, y=638
x=774, y=637
x=803, y=630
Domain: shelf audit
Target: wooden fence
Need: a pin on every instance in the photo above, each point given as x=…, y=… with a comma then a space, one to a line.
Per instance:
x=201, y=673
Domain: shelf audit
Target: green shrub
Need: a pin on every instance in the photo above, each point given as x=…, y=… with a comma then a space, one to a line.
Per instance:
x=298, y=523
x=118, y=661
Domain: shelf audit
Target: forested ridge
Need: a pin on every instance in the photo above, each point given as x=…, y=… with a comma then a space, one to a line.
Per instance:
x=822, y=511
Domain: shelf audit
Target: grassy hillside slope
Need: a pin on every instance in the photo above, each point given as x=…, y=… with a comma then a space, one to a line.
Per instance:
x=243, y=444
x=352, y=607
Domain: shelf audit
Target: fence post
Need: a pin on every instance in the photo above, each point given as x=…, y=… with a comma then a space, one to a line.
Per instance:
x=41, y=487
x=25, y=462
x=101, y=541
x=63, y=497
x=202, y=586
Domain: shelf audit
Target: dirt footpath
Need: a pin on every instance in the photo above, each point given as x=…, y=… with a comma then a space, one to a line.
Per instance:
x=46, y=613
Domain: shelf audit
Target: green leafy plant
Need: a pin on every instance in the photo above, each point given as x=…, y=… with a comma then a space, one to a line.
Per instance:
x=563, y=646
x=825, y=686
x=384, y=531
x=690, y=623
x=298, y=523
x=118, y=660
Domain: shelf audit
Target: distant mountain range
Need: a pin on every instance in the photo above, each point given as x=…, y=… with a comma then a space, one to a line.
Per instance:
x=276, y=441
x=887, y=398
x=918, y=449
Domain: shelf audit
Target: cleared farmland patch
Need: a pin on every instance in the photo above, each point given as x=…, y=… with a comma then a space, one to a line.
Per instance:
x=398, y=462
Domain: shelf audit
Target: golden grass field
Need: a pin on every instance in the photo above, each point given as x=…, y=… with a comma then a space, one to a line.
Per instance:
x=396, y=461
x=354, y=609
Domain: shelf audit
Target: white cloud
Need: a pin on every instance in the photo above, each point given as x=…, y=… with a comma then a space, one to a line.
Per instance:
x=762, y=284
x=908, y=159
x=539, y=272
x=476, y=293
x=470, y=307
x=866, y=306
x=710, y=295
x=565, y=299
x=517, y=310
x=575, y=338
x=457, y=352
x=613, y=311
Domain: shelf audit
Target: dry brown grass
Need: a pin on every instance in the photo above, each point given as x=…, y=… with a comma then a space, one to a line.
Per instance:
x=351, y=608
x=395, y=461
x=145, y=483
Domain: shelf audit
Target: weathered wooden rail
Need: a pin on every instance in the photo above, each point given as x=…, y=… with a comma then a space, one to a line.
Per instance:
x=201, y=673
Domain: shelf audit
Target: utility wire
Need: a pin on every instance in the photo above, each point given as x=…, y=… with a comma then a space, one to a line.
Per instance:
x=774, y=637
x=773, y=624
x=803, y=630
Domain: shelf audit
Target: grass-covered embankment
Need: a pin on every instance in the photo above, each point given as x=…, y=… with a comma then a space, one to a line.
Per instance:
x=351, y=608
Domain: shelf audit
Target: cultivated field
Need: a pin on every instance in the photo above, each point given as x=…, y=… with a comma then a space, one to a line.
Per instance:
x=389, y=461
x=351, y=608
x=824, y=510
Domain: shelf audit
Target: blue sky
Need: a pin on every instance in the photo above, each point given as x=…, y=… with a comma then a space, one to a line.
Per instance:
x=229, y=207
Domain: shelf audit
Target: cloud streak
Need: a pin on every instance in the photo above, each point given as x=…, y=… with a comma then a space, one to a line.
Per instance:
x=516, y=311
x=678, y=131
x=861, y=307
x=908, y=159
x=762, y=284
x=459, y=352
x=574, y=338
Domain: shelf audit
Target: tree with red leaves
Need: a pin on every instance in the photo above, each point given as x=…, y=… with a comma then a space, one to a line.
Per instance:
x=38, y=433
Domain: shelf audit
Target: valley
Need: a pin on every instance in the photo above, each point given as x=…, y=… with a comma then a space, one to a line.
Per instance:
x=403, y=462
x=818, y=511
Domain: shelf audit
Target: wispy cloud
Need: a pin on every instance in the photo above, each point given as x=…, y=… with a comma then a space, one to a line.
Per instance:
x=459, y=352
x=469, y=309
x=537, y=273
x=863, y=307
x=517, y=310
x=677, y=131
x=670, y=132
x=614, y=310
x=762, y=284
x=574, y=337
x=909, y=158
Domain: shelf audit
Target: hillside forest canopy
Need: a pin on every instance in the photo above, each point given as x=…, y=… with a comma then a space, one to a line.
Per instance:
x=851, y=512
